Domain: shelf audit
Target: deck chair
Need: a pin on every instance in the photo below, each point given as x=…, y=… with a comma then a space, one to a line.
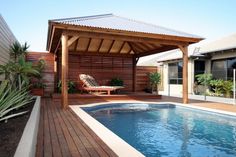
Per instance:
x=90, y=85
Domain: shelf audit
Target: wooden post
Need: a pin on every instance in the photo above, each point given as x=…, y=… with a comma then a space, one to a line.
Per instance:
x=184, y=50
x=134, y=74
x=64, y=71
x=135, y=60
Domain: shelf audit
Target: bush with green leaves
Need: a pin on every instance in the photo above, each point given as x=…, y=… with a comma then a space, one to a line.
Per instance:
x=116, y=82
x=228, y=88
x=12, y=99
x=70, y=84
x=19, y=71
x=155, y=80
x=217, y=86
x=204, y=79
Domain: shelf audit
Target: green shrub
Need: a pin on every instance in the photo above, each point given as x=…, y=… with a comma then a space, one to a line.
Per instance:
x=12, y=99
x=204, y=79
x=70, y=84
x=228, y=88
x=116, y=82
x=217, y=86
x=155, y=79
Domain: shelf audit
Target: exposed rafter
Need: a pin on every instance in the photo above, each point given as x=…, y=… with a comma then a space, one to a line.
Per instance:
x=109, y=49
x=132, y=48
x=138, y=47
x=121, y=47
x=144, y=46
x=58, y=44
x=87, y=48
x=100, y=45
x=125, y=38
x=72, y=40
x=76, y=44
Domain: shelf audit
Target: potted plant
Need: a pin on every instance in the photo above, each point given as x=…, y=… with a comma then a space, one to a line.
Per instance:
x=38, y=88
x=116, y=82
x=204, y=81
x=70, y=84
x=155, y=79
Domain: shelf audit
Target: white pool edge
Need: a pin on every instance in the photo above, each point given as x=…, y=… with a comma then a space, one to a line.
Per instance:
x=114, y=142
x=118, y=145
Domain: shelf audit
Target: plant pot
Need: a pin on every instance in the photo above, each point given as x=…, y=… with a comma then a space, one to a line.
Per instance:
x=37, y=91
x=228, y=95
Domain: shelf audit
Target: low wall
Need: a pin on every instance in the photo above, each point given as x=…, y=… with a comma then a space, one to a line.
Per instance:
x=28, y=141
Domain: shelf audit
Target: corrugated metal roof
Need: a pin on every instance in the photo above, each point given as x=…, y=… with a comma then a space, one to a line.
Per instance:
x=168, y=56
x=110, y=21
x=225, y=43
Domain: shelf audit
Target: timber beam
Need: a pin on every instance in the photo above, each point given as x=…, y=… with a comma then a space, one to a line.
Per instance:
x=184, y=50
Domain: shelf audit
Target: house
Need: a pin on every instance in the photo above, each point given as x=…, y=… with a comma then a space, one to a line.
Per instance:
x=217, y=57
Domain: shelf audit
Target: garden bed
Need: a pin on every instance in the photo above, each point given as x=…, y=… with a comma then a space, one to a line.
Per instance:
x=11, y=132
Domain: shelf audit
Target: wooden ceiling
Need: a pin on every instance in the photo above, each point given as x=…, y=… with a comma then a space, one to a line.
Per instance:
x=106, y=46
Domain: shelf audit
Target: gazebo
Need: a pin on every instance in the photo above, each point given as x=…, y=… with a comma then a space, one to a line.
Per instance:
x=88, y=44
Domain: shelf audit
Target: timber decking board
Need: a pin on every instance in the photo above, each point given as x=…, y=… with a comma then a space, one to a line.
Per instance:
x=63, y=133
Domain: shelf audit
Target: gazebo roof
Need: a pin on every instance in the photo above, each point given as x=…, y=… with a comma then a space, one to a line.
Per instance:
x=112, y=34
x=111, y=21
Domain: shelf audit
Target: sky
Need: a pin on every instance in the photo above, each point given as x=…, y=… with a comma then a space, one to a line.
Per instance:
x=211, y=19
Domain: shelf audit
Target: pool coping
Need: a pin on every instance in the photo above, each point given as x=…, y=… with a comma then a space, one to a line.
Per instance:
x=118, y=145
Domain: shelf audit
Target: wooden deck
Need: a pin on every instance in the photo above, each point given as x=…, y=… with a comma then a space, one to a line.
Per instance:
x=63, y=133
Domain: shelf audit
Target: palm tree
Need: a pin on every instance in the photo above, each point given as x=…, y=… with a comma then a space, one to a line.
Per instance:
x=22, y=71
x=17, y=50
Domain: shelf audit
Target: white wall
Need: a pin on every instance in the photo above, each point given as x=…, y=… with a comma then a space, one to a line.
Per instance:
x=176, y=88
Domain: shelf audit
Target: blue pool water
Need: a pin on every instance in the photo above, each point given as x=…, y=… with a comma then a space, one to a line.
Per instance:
x=168, y=130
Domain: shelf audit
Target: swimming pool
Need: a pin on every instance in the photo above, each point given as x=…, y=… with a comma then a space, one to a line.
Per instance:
x=169, y=130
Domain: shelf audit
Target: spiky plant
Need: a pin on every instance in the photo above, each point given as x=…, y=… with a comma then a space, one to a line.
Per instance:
x=11, y=99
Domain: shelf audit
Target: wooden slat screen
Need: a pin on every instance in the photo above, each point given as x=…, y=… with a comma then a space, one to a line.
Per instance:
x=48, y=72
x=102, y=68
x=142, y=80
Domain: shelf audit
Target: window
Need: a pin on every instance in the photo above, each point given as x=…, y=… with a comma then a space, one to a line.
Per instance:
x=175, y=72
x=231, y=65
x=223, y=69
x=199, y=68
